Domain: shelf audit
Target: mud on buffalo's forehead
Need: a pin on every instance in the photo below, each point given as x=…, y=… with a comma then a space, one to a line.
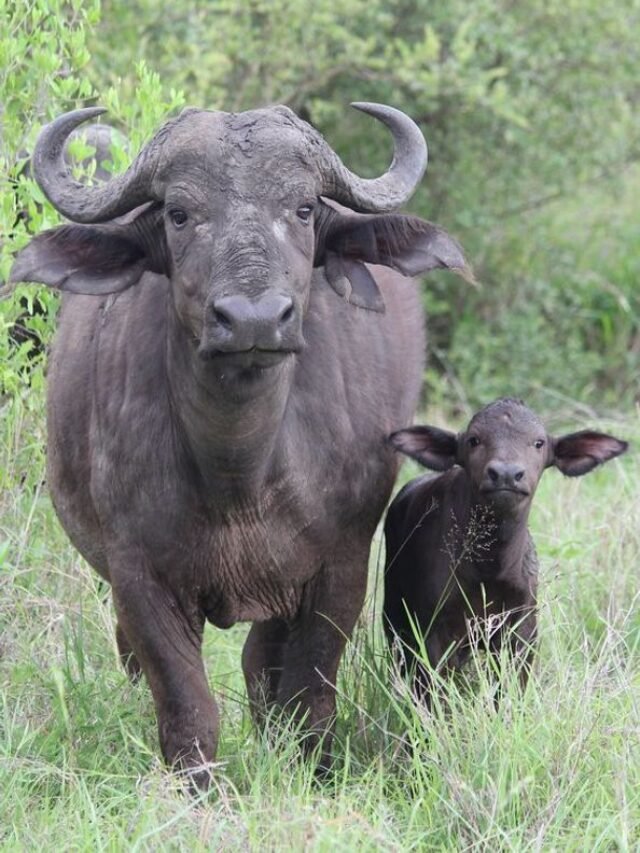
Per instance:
x=507, y=416
x=269, y=147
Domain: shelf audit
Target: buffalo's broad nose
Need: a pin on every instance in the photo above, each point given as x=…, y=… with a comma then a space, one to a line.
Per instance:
x=239, y=323
x=505, y=474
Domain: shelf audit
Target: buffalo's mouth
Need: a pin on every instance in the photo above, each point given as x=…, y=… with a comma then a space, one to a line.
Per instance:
x=251, y=358
x=491, y=491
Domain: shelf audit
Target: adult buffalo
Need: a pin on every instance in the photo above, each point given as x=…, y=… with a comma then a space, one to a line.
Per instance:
x=225, y=374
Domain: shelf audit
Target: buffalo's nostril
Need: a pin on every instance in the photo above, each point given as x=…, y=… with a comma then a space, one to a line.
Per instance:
x=222, y=319
x=504, y=475
x=286, y=314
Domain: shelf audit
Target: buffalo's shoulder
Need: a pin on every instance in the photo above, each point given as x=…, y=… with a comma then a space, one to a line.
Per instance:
x=417, y=533
x=427, y=501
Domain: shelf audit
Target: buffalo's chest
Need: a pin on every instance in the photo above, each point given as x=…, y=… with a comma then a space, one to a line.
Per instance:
x=247, y=567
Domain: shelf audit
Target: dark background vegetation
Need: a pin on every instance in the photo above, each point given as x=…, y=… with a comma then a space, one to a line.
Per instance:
x=531, y=115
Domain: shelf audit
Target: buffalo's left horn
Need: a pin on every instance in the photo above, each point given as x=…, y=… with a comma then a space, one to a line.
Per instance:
x=75, y=200
x=396, y=186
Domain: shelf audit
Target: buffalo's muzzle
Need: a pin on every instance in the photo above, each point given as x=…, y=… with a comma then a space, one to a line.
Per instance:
x=238, y=324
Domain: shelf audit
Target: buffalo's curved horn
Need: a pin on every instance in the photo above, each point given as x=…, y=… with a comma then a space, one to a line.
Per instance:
x=396, y=186
x=75, y=200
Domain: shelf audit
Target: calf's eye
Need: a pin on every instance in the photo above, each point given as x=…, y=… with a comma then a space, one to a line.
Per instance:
x=539, y=443
x=473, y=441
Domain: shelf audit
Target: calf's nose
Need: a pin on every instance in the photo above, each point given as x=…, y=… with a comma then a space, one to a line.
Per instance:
x=505, y=474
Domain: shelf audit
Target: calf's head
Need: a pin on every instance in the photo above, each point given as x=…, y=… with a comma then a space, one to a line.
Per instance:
x=504, y=451
x=230, y=208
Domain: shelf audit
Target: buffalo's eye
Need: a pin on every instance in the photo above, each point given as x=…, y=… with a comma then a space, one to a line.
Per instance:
x=178, y=217
x=539, y=443
x=304, y=212
x=473, y=441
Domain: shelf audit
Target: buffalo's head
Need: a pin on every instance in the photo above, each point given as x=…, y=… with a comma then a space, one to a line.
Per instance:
x=504, y=451
x=230, y=207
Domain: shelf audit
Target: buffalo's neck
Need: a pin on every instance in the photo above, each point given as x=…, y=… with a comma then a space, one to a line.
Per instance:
x=506, y=553
x=502, y=539
x=231, y=427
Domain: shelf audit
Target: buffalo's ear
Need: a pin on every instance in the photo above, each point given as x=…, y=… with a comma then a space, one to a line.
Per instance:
x=346, y=241
x=95, y=259
x=434, y=448
x=580, y=452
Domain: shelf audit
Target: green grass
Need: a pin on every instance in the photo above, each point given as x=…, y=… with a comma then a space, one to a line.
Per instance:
x=556, y=769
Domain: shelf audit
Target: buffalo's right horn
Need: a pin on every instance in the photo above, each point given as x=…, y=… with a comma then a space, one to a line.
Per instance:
x=75, y=200
x=397, y=185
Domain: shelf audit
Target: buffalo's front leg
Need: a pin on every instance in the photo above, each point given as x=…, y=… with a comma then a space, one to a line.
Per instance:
x=523, y=646
x=167, y=641
x=520, y=637
x=317, y=638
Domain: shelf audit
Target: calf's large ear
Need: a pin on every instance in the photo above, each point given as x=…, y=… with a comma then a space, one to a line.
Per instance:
x=436, y=449
x=411, y=246
x=95, y=259
x=580, y=452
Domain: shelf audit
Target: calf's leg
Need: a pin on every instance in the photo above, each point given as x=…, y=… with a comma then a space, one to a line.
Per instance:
x=521, y=639
x=523, y=646
x=420, y=647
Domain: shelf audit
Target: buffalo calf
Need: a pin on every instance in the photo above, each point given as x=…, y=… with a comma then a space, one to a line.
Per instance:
x=460, y=560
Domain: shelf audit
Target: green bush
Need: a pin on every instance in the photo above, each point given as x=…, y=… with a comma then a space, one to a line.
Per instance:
x=563, y=324
x=42, y=56
x=526, y=108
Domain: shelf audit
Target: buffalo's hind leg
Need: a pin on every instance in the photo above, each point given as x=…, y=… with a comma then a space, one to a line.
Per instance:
x=128, y=658
x=307, y=687
x=262, y=657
